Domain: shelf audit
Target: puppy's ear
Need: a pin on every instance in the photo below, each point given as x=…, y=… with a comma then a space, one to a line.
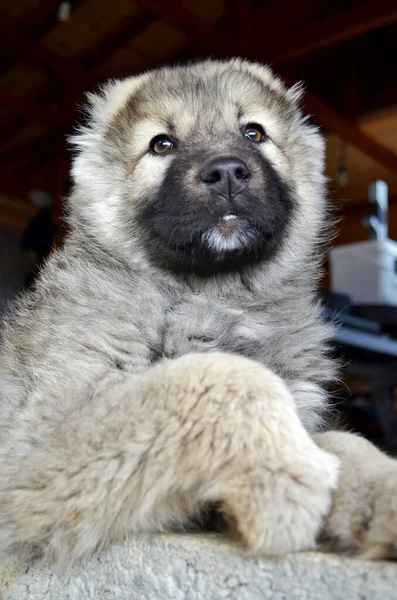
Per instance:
x=102, y=107
x=266, y=75
x=292, y=94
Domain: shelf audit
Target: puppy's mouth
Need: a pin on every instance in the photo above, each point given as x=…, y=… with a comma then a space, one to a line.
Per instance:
x=227, y=224
x=231, y=233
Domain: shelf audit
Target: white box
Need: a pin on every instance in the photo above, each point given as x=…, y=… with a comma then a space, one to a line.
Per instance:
x=366, y=271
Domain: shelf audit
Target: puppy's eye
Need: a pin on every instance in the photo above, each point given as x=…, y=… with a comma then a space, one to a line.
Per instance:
x=254, y=133
x=161, y=144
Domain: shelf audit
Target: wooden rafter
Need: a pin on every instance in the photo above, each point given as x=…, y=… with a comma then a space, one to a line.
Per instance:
x=331, y=119
x=68, y=68
x=33, y=23
x=347, y=25
x=206, y=36
x=117, y=38
x=349, y=132
x=77, y=76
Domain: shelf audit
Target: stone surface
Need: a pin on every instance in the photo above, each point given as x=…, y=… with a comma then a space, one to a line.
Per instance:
x=186, y=567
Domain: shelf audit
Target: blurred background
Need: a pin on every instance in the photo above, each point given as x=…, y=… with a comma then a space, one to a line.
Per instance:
x=345, y=52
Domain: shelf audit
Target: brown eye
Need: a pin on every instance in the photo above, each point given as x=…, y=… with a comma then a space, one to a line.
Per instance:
x=161, y=144
x=254, y=133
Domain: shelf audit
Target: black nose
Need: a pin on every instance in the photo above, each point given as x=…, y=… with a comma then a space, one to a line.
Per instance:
x=227, y=175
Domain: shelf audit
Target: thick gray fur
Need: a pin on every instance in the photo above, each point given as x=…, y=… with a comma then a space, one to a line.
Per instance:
x=105, y=371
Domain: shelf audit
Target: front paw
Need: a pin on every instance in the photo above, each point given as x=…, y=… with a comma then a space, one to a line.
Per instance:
x=378, y=534
x=248, y=450
x=363, y=519
x=274, y=511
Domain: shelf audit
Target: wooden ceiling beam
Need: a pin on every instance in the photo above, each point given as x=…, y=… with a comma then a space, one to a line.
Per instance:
x=188, y=22
x=67, y=68
x=203, y=34
x=77, y=76
x=372, y=15
x=345, y=26
x=273, y=18
x=32, y=17
x=383, y=99
x=349, y=132
x=117, y=38
x=33, y=23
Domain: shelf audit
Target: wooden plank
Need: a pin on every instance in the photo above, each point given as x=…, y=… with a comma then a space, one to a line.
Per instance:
x=116, y=39
x=38, y=19
x=327, y=116
x=203, y=34
x=78, y=77
x=70, y=69
x=347, y=25
x=349, y=132
x=33, y=22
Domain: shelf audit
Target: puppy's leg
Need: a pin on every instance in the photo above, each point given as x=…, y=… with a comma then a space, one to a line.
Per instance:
x=148, y=452
x=364, y=513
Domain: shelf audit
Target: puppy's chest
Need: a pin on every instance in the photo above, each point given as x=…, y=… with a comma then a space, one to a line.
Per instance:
x=201, y=325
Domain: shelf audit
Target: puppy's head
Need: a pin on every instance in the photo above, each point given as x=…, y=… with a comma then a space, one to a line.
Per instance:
x=204, y=168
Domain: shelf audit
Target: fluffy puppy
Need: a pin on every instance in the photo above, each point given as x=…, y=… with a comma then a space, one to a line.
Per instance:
x=172, y=354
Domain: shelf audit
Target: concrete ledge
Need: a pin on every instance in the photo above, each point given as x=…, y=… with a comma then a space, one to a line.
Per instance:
x=187, y=567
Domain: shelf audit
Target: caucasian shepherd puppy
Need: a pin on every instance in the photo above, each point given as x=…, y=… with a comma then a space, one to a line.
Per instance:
x=172, y=354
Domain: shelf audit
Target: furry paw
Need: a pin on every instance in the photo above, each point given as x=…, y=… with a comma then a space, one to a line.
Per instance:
x=363, y=519
x=210, y=428
x=281, y=510
x=274, y=483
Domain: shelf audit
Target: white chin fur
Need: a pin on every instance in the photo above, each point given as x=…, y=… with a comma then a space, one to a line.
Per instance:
x=220, y=242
